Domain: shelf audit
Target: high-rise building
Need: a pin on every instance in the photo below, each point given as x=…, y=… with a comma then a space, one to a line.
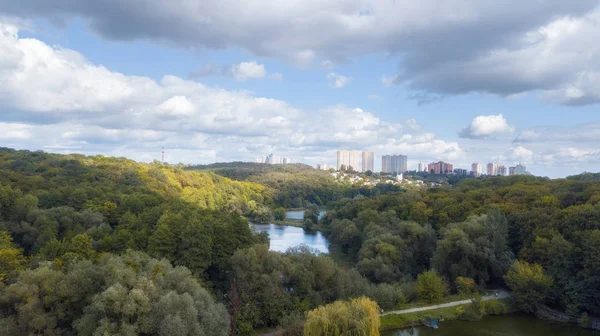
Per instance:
x=521, y=170
x=518, y=170
x=492, y=169
x=354, y=159
x=461, y=172
x=394, y=164
x=421, y=167
x=477, y=169
x=502, y=170
x=259, y=159
x=496, y=169
x=343, y=159
x=440, y=168
x=368, y=161
x=348, y=158
x=273, y=159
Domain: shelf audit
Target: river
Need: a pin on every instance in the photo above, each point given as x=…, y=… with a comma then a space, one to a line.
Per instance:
x=508, y=325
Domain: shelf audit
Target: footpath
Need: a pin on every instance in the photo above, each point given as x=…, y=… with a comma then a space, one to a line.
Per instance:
x=502, y=294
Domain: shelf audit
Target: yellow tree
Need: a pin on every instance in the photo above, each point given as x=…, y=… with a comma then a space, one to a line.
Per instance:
x=357, y=317
x=11, y=258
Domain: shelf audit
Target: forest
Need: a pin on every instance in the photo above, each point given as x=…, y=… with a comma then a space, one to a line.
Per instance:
x=109, y=246
x=294, y=185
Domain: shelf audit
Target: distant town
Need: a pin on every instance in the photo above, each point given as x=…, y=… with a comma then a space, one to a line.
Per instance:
x=348, y=160
x=363, y=161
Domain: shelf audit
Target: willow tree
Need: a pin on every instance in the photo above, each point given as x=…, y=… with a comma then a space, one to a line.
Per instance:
x=358, y=317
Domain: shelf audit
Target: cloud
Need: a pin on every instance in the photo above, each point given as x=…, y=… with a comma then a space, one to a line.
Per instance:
x=483, y=127
x=55, y=99
x=424, y=147
x=337, y=81
x=507, y=48
x=579, y=134
x=520, y=154
x=245, y=70
x=413, y=125
x=239, y=71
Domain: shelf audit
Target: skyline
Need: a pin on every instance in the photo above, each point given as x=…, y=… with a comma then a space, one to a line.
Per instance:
x=87, y=81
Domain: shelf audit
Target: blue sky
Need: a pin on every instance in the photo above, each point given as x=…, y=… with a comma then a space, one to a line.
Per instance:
x=474, y=82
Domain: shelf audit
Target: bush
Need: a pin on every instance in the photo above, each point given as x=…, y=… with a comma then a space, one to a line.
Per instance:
x=494, y=307
x=584, y=321
x=465, y=286
x=473, y=312
x=387, y=296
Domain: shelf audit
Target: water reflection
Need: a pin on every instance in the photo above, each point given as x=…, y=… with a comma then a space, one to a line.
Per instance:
x=284, y=237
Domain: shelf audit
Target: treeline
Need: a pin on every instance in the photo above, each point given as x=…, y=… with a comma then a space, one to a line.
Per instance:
x=295, y=185
x=477, y=230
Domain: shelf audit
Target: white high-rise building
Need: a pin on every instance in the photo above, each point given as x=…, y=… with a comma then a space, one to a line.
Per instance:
x=477, y=169
x=322, y=166
x=496, y=169
x=343, y=159
x=349, y=159
x=354, y=159
x=421, y=167
x=492, y=169
x=368, y=161
x=394, y=164
x=259, y=159
x=502, y=171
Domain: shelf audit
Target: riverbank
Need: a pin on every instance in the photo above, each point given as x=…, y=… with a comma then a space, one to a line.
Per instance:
x=448, y=312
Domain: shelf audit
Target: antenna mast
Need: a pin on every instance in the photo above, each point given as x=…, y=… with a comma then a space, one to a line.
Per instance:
x=163, y=155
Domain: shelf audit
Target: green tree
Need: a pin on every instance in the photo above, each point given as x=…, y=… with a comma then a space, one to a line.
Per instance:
x=279, y=214
x=430, y=287
x=529, y=285
x=312, y=213
x=356, y=317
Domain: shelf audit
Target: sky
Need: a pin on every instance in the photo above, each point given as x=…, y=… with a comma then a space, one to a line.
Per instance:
x=462, y=81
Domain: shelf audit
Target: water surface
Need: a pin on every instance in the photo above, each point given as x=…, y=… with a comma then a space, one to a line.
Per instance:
x=299, y=214
x=284, y=237
x=509, y=325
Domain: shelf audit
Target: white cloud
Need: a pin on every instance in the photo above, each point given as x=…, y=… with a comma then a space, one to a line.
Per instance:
x=338, y=81
x=246, y=70
x=413, y=125
x=15, y=131
x=486, y=127
x=83, y=107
